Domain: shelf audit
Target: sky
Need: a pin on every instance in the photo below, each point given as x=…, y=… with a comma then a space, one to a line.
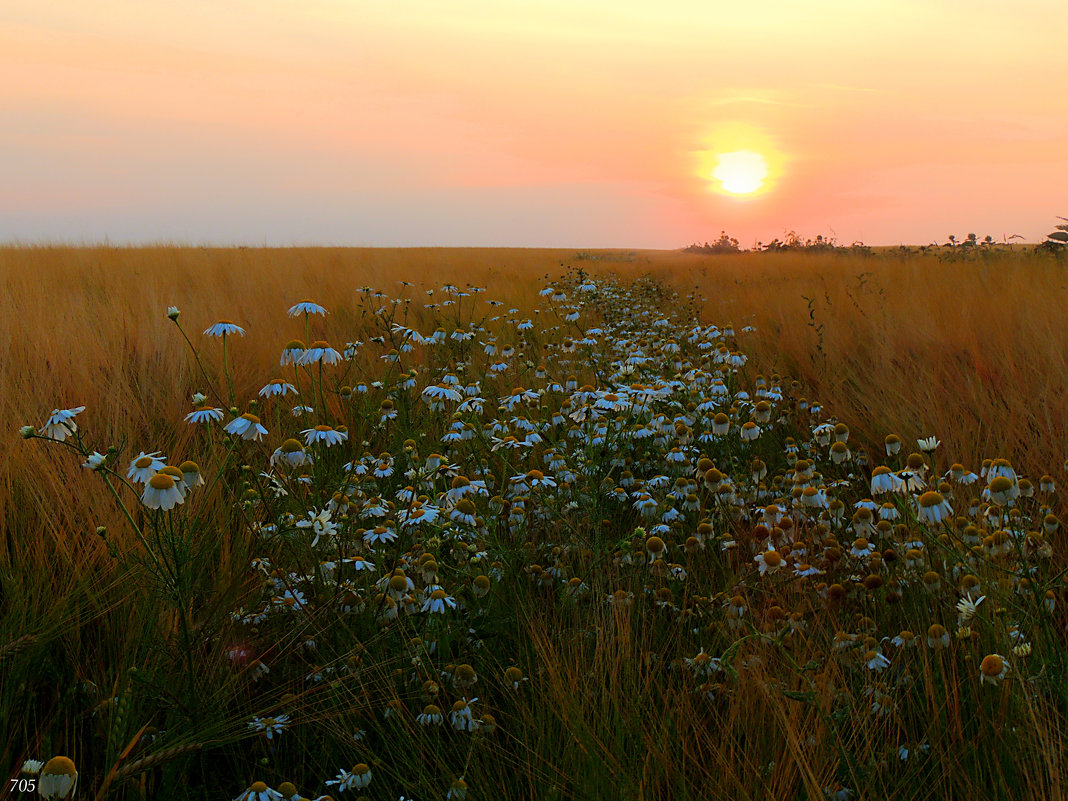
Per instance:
x=529, y=123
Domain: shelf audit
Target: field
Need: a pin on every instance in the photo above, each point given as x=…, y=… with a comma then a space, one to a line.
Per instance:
x=632, y=530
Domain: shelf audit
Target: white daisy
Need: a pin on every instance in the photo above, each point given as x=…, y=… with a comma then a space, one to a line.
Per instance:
x=247, y=426
x=355, y=779
x=223, y=328
x=306, y=307
x=278, y=387
x=162, y=492
x=319, y=352
x=60, y=423
x=325, y=434
x=145, y=466
x=204, y=414
x=259, y=791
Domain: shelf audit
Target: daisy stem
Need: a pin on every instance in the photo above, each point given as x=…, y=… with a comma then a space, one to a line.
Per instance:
x=133, y=523
x=226, y=372
x=322, y=400
x=296, y=377
x=196, y=358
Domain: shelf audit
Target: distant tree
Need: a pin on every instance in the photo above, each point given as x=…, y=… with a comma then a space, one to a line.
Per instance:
x=1058, y=240
x=725, y=244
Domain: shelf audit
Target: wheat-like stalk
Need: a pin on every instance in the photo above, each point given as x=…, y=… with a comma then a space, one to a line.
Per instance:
x=16, y=647
x=145, y=763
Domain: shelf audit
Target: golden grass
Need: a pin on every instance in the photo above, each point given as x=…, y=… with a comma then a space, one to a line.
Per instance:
x=969, y=351
x=88, y=326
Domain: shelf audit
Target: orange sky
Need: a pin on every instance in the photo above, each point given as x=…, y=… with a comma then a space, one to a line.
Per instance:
x=529, y=122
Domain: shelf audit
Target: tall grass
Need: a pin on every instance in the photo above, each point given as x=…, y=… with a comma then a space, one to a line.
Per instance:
x=131, y=670
x=968, y=346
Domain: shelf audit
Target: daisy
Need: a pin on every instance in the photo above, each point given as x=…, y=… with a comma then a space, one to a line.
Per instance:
x=888, y=512
x=861, y=548
x=703, y=665
x=906, y=639
x=326, y=434
x=95, y=461
x=247, y=426
x=420, y=514
x=292, y=352
x=162, y=492
x=384, y=534
x=993, y=669
x=967, y=608
x=306, y=307
x=431, y=716
x=191, y=476
x=292, y=453
x=60, y=424
x=938, y=637
x=223, y=328
x=840, y=452
x=438, y=602
x=769, y=561
x=461, y=718
x=269, y=727
x=58, y=778
x=359, y=563
x=204, y=414
x=1002, y=490
x=355, y=779
x=384, y=468
x=933, y=508
x=874, y=660
x=145, y=466
x=463, y=512
x=319, y=351
x=277, y=387
x=320, y=524
x=928, y=444
x=814, y=497
x=441, y=392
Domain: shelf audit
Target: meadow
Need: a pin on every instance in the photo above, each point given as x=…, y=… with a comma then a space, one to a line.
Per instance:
x=532, y=523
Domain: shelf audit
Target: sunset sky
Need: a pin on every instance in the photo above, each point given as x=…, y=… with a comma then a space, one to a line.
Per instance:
x=570, y=123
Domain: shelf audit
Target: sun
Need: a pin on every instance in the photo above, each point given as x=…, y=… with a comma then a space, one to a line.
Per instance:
x=740, y=172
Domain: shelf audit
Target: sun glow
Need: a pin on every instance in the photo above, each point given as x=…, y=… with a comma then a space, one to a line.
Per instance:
x=741, y=172
x=739, y=160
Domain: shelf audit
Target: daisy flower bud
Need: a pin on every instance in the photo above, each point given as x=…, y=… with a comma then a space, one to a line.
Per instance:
x=27, y=432
x=172, y=313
